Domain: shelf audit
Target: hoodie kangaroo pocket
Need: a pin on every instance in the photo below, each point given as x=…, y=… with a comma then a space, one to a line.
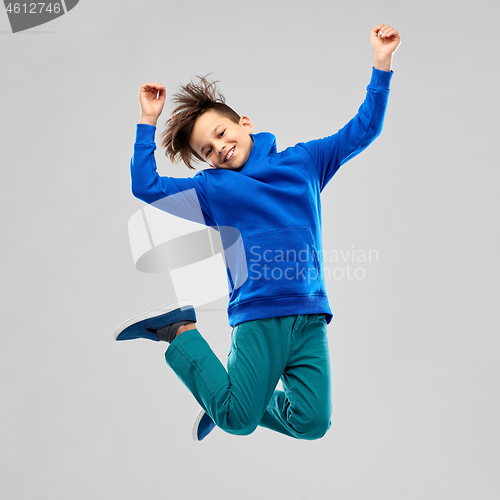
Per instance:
x=281, y=262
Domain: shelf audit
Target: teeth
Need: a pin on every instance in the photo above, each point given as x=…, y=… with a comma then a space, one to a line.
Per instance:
x=229, y=155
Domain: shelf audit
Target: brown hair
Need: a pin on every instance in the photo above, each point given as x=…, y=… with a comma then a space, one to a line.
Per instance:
x=192, y=101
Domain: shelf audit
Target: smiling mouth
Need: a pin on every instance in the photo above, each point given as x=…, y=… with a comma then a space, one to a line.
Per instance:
x=230, y=154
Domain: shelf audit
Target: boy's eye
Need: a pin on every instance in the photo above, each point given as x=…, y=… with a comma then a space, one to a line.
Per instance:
x=220, y=135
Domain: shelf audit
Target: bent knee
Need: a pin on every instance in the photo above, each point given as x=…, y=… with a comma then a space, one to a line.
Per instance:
x=315, y=428
x=240, y=427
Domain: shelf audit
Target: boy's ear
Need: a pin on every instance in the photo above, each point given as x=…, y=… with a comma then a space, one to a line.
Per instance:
x=246, y=124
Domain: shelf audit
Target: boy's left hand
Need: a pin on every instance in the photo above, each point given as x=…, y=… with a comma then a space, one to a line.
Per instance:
x=385, y=39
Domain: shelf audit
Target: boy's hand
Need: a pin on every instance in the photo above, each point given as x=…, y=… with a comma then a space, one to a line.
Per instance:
x=152, y=99
x=385, y=40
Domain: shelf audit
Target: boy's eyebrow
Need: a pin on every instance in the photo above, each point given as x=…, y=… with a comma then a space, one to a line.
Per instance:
x=213, y=132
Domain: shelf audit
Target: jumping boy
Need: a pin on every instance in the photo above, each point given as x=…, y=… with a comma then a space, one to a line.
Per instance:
x=278, y=307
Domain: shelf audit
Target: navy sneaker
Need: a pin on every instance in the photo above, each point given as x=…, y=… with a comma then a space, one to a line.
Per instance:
x=203, y=426
x=143, y=326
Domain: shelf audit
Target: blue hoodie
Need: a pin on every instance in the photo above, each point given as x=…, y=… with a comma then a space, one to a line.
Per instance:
x=271, y=205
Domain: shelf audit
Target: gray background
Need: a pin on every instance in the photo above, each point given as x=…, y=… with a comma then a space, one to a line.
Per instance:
x=414, y=344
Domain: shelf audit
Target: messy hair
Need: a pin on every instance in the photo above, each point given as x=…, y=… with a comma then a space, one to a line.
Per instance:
x=191, y=102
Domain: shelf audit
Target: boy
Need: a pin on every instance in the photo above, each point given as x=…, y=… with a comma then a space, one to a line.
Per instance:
x=277, y=307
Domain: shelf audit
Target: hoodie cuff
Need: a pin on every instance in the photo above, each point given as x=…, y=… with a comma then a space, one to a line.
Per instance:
x=380, y=79
x=145, y=134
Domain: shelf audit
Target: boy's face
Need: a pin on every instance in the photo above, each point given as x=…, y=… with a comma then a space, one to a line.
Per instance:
x=221, y=142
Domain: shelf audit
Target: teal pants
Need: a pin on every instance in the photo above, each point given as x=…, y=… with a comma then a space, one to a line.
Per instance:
x=291, y=348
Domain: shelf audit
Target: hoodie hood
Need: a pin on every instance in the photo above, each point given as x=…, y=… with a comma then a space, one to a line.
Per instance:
x=264, y=144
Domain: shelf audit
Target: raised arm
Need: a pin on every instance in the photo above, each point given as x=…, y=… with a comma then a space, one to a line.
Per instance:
x=182, y=197
x=330, y=153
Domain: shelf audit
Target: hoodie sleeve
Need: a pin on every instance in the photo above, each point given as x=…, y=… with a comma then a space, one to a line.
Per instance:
x=182, y=197
x=330, y=153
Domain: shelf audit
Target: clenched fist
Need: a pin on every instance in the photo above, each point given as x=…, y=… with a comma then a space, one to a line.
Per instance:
x=385, y=39
x=152, y=99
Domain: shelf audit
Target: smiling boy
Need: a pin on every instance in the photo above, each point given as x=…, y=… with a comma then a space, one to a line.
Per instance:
x=228, y=145
x=279, y=311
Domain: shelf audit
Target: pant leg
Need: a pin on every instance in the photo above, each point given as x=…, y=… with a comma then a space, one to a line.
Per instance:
x=235, y=399
x=303, y=410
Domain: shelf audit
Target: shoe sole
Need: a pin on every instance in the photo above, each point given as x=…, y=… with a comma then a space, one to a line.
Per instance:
x=159, y=311
x=196, y=426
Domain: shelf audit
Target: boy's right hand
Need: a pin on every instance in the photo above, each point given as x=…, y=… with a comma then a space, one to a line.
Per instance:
x=151, y=98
